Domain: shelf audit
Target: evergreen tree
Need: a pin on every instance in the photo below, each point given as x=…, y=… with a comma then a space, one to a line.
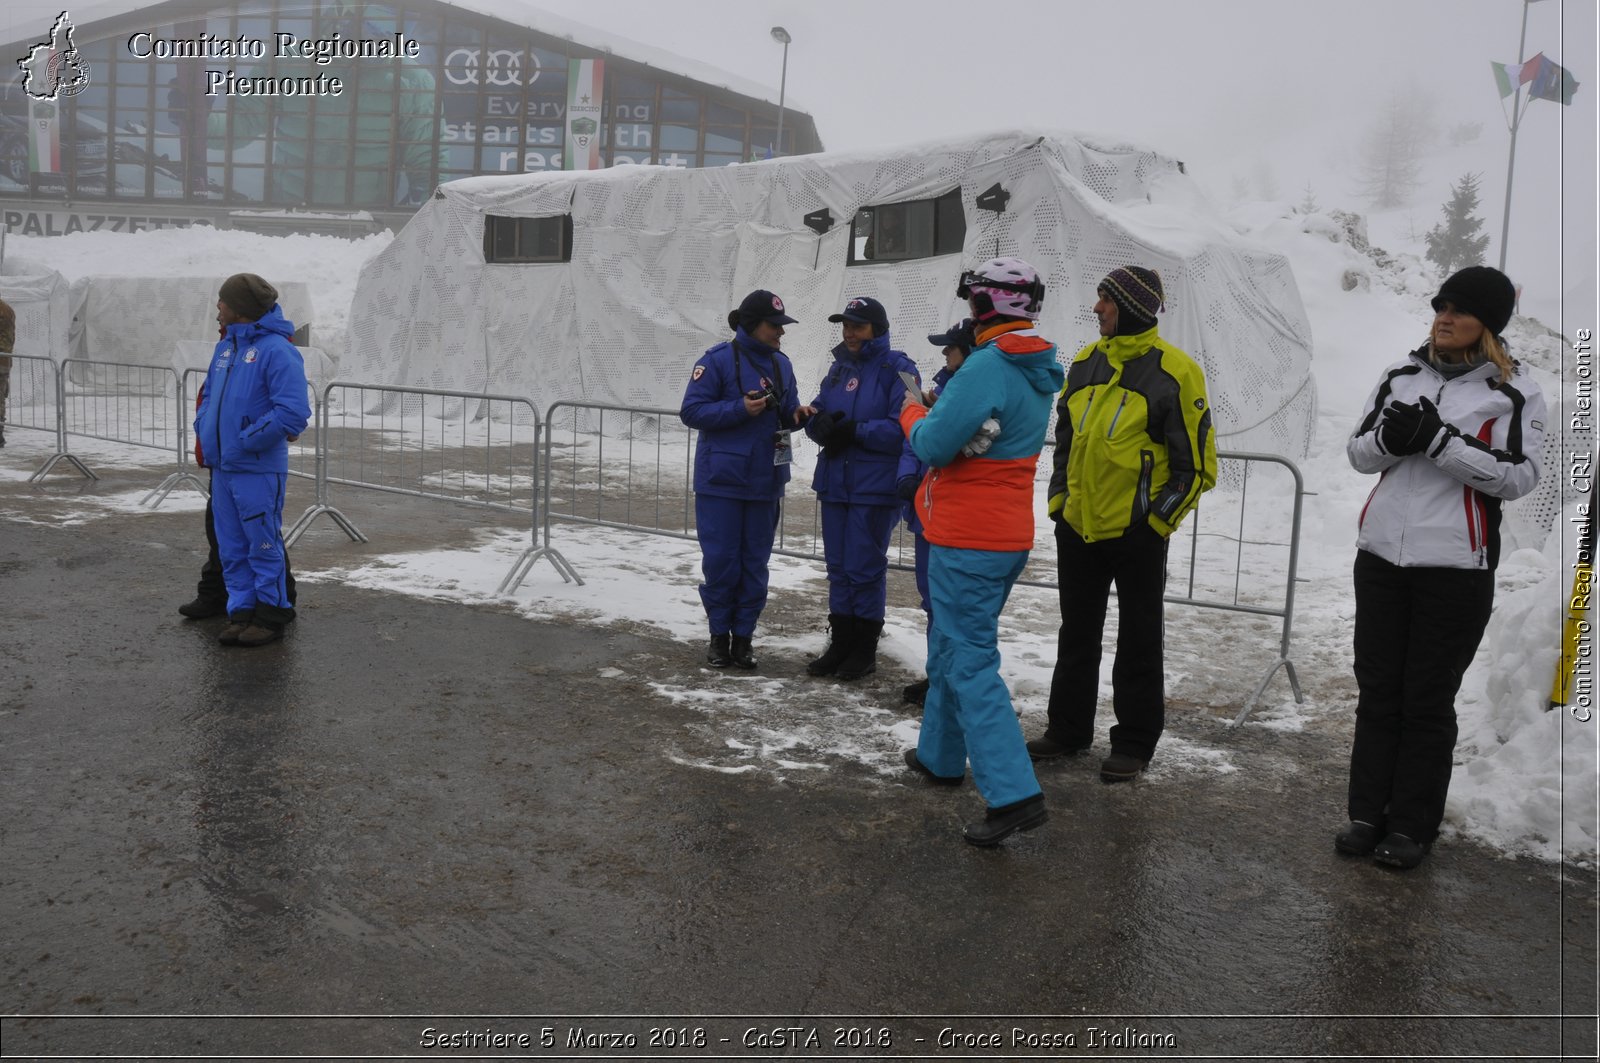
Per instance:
x=1454, y=243
x=1390, y=164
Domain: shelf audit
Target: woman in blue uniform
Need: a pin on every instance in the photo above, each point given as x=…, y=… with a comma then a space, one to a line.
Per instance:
x=858, y=428
x=742, y=400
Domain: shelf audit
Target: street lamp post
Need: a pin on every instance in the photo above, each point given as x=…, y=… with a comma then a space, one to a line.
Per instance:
x=781, y=35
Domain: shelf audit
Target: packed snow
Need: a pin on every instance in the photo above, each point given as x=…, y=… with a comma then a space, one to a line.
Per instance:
x=1525, y=780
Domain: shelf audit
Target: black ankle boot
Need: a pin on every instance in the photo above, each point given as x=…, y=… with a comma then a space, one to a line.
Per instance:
x=842, y=630
x=1000, y=823
x=719, y=654
x=863, y=659
x=740, y=650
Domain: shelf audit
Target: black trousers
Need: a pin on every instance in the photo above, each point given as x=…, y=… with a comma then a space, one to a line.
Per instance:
x=1416, y=632
x=211, y=586
x=1137, y=564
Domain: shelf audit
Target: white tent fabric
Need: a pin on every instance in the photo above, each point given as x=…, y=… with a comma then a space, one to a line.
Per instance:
x=660, y=255
x=44, y=317
x=137, y=319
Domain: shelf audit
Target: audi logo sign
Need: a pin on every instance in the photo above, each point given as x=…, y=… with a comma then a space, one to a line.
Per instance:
x=498, y=67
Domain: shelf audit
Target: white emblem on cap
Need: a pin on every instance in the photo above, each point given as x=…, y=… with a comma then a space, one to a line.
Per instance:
x=777, y=304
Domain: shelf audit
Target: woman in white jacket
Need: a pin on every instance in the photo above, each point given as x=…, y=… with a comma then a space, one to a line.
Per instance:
x=1454, y=429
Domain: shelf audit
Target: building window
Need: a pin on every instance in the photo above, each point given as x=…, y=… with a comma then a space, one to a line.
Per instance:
x=527, y=239
x=899, y=232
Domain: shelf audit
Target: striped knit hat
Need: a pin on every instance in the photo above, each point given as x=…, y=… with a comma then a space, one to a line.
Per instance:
x=1136, y=291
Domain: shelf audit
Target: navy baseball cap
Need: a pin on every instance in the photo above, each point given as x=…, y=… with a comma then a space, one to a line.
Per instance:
x=864, y=310
x=762, y=305
x=958, y=335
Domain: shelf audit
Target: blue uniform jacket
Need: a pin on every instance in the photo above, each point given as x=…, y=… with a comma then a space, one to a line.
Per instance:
x=867, y=388
x=254, y=397
x=733, y=457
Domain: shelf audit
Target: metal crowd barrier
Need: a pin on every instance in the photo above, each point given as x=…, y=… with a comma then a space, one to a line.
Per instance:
x=633, y=469
x=467, y=448
x=118, y=402
x=34, y=403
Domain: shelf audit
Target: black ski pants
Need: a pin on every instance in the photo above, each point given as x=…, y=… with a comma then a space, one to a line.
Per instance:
x=1416, y=632
x=1137, y=564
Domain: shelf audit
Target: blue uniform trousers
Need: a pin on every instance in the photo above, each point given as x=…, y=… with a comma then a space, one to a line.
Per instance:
x=855, y=545
x=735, y=546
x=968, y=716
x=247, y=509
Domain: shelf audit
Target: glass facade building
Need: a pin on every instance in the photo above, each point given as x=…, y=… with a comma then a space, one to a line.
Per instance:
x=260, y=104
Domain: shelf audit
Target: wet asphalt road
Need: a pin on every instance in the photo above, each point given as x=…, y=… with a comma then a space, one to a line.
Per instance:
x=445, y=817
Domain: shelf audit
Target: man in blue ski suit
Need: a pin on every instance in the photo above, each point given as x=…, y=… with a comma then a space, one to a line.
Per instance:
x=743, y=401
x=858, y=430
x=254, y=402
x=976, y=505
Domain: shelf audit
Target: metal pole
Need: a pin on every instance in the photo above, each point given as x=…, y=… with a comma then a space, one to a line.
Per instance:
x=781, y=35
x=783, y=83
x=1511, y=162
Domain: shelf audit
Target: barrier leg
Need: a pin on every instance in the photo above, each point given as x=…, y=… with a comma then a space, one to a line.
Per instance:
x=310, y=515
x=165, y=487
x=530, y=557
x=61, y=456
x=1294, y=684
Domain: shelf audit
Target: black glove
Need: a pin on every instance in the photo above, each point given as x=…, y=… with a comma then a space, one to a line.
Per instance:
x=905, y=488
x=1409, y=426
x=841, y=433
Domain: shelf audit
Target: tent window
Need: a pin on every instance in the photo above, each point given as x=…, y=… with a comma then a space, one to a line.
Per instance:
x=527, y=239
x=899, y=232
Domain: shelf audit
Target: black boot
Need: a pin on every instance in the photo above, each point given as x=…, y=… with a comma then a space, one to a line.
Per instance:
x=740, y=650
x=863, y=659
x=916, y=693
x=203, y=608
x=718, y=654
x=998, y=824
x=841, y=637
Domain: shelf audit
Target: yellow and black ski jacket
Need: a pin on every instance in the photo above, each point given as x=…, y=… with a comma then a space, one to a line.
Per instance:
x=1134, y=440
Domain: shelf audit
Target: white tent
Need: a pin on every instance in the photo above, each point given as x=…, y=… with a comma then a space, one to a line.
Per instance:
x=660, y=255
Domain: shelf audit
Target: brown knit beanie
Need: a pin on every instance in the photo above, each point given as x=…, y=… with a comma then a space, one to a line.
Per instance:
x=248, y=295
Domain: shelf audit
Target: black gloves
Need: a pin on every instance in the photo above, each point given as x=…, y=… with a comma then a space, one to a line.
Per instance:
x=905, y=488
x=837, y=434
x=1409, y=427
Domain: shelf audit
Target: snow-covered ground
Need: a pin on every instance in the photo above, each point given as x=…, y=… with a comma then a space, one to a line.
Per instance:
x=1526, y=777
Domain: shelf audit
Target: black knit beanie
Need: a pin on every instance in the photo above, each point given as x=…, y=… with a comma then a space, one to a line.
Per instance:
x=1482, y=291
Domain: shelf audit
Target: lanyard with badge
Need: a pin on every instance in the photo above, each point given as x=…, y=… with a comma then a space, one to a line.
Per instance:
x=782, y=448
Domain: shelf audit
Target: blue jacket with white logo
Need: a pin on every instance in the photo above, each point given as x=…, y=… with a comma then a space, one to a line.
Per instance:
x=254, y=397
x=866, y=388
x=733, y=457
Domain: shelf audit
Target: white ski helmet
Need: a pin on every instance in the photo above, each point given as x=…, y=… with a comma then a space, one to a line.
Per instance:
x=1006, y=287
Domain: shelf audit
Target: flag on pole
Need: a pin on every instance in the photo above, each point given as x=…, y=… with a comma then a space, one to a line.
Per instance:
x=585, y=80
x=1552, y=82
x=1505, y=77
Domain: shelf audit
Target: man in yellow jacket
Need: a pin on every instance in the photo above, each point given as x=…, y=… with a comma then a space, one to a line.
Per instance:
x=1134, y=450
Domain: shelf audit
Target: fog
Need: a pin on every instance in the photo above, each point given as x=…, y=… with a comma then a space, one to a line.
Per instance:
x=1260, y=98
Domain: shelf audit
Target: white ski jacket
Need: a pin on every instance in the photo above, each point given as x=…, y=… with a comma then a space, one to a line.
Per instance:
x=1440, y=508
